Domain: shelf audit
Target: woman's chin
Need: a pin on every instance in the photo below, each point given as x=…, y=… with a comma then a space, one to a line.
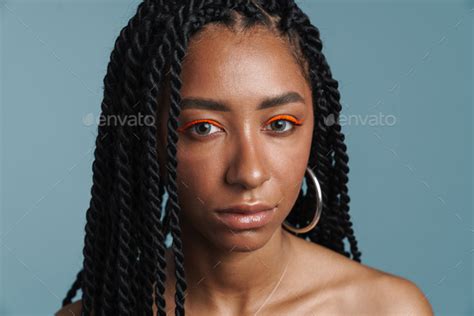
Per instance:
x=229, y=239
x=241, y=241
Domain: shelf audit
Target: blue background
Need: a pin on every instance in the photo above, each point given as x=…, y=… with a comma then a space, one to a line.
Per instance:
x=410, y=180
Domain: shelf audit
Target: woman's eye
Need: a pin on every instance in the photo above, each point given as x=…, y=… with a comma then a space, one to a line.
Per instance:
x=284, y=123
x=203, y=128
x=281, y=125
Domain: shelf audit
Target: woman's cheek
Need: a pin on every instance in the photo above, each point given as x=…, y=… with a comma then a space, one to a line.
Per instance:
x=195, y=179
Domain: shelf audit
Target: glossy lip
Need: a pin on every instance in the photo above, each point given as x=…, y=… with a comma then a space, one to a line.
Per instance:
x=247, y=208
x=248, y=217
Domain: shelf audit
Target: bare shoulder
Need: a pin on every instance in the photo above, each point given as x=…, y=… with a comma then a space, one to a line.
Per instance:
x=345, y=286
x=399, y=295
x=73, y=309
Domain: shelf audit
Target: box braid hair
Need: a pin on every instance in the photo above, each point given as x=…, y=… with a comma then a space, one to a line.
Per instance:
x=124, y=245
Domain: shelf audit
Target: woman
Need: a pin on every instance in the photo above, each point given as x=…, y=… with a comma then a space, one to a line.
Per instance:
x=245, y=88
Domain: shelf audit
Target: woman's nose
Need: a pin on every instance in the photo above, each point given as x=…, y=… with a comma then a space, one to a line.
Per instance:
x=248, y=166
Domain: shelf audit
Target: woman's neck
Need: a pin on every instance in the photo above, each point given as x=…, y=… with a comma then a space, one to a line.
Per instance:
x=233, y=281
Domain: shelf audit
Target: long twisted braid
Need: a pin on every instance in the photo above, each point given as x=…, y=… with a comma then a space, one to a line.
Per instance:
x=124, y=251
x=178, y=55
x=339, y=202
x=152, y=227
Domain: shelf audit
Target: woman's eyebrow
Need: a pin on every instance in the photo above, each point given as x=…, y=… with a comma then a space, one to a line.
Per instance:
x=213, y=105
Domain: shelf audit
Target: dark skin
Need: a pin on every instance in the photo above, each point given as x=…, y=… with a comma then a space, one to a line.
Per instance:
x=241, y=157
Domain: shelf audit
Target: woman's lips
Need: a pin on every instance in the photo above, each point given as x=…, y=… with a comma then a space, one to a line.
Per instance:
x=242, y=221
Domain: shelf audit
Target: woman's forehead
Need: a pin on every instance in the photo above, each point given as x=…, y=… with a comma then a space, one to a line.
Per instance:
x=225, y=64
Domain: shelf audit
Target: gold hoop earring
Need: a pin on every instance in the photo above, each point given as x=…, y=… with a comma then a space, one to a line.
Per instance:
x=318, y=211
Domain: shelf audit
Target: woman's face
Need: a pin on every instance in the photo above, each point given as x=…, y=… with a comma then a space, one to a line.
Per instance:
x=241, y=153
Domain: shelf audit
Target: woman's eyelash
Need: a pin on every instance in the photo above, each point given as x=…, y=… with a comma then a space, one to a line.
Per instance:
x=196, y=123
x=284, y=118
